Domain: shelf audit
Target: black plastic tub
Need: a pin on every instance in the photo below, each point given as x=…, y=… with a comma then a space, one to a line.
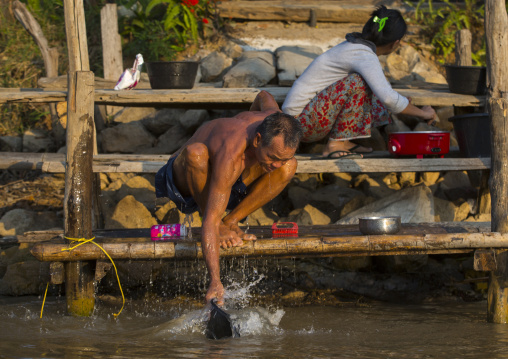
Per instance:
x=172, y=74
x=473, y=134
x=467, y=80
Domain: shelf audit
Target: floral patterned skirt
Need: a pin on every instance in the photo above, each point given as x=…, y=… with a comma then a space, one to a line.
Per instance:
x=344, y=110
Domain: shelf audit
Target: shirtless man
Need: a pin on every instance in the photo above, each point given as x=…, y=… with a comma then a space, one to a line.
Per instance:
x=238, y=163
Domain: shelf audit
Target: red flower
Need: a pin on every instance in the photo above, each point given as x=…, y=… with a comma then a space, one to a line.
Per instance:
x=190, y=3
x=205, y=21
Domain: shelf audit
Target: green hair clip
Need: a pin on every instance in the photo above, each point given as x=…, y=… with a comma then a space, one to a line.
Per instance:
x=381, y=22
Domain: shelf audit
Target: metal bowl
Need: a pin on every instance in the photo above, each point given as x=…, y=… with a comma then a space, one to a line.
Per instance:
x=379, y=225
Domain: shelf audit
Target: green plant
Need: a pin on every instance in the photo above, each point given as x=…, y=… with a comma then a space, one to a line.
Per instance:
x=160, y=29
x=440, y=23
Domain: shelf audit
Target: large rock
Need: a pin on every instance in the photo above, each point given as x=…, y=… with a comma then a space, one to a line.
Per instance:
x=161, y=121
x=396, y=126
x=309, y=181
x=255, y=69
x=142, y=190
x=35, y=140
x=262, y=217
x=18, y=221
x=424, y=71
x=131, y=114
x=308, y=216
x=456, y=185
x=232, y=50
x=293, y=60
x=412, y=204
x=130, y=213
x=372, y=187
x=397, y=66
x=11, y=144
x=299, y=196
x=25, y=278
x=170, y=141
x=213, y=66
x=446, y=211
x=192, y=119
x=339, y=178
x=127, y=138
x=335, y=195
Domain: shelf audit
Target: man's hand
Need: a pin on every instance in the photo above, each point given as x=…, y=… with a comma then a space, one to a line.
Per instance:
x=215, y=290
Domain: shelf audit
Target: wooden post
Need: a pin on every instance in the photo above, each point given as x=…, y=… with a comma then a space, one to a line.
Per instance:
x=79, y=276
x=111, y=48
x=496, y=33
x=76, y=35
x=463, y=40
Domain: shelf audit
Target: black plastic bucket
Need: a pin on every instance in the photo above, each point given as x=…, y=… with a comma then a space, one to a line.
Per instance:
x=172, y=74
x=473, y=134
x=467, y=80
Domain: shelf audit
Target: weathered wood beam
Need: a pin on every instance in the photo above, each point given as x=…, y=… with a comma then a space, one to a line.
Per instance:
x=210, y=97
x=320, y=245
x=325, y=11
x=110, y=163
x=75, y=30
x=496, y=34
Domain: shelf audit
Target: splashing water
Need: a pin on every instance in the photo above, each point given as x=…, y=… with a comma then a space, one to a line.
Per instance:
x=188, y=222
x=250, y=321
x=238, y=294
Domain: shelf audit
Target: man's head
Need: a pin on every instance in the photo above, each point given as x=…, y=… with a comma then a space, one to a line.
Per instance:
x=277, y=139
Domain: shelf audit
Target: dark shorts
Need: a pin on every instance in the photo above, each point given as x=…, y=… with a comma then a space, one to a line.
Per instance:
x=165, y=187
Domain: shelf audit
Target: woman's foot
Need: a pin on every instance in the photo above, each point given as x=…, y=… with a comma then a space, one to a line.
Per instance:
x=342, y=148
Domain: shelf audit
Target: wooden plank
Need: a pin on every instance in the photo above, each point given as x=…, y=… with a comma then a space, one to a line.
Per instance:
x=325, y=11
x=318, y=245
x=210, y=97
x=110, y=163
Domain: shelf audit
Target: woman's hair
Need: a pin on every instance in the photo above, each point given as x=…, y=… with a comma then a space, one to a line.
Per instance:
x=394, y=27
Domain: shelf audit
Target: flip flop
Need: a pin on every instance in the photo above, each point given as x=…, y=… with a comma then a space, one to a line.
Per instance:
x=352, y=149
x=348, y=154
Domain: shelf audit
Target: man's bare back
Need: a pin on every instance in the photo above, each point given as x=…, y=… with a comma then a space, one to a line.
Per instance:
x=239, y=163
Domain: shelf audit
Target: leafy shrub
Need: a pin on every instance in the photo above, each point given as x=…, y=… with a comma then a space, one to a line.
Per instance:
x=440, y=24
x=159, y=29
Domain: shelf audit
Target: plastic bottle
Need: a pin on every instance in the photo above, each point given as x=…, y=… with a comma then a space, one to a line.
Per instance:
x=162, y=232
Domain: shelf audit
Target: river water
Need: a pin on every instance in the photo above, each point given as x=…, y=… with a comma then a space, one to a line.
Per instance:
x=377, y=330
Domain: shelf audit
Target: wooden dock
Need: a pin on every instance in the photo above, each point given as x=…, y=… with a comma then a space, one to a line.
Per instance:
x=312, y=241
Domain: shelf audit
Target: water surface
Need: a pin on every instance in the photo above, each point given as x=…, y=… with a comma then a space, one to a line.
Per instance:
x=379, y=330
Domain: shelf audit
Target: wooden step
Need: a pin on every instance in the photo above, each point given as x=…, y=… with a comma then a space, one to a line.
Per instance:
x=214, y=98
x=299, y=11
x=110, y=163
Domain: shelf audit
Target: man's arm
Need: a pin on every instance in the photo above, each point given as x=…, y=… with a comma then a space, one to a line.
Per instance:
x=264, y=101
x=224, y=172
